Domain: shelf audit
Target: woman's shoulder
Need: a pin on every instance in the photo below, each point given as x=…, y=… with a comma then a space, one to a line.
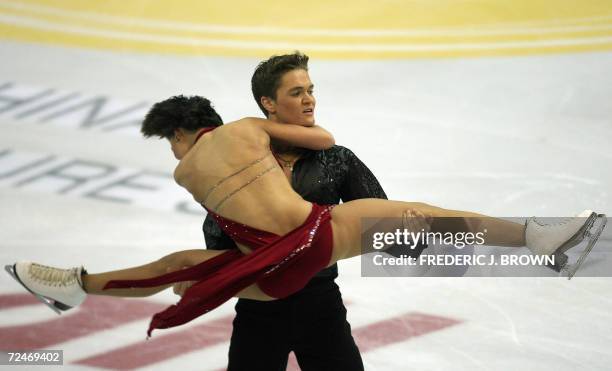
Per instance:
x=247, y=125
x=247, y=129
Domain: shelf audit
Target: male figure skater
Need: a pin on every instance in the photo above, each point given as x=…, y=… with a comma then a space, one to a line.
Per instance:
x=312, y=322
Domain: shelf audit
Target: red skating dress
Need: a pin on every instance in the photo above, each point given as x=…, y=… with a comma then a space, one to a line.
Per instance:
x=280, y=265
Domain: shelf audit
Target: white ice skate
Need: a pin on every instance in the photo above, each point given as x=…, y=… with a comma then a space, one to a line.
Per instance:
x=556, y=239
x=59, y=289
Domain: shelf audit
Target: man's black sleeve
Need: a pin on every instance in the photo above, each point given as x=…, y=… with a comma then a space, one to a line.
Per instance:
x=215, y=238
x=359, y=181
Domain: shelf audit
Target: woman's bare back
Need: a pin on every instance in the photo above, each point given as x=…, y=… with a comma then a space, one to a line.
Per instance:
x=233, y=173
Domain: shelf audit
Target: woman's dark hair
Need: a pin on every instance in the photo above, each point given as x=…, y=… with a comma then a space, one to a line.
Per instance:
x=268, y=74
x=189, y=113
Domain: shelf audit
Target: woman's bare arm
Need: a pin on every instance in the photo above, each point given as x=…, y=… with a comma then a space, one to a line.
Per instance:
x=314, y=137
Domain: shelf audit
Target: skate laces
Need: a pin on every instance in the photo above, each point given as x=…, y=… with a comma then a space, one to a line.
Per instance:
x=53, y=276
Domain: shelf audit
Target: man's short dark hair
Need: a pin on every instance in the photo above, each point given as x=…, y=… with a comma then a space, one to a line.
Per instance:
x=189, y=113
x=268, y=74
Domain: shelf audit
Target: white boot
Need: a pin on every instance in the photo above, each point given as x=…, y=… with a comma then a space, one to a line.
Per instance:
x=58, y=288
x=556, y=239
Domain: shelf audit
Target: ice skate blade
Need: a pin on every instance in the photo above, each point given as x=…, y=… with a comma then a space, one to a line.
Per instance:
x=571, y=269
x=10, y=269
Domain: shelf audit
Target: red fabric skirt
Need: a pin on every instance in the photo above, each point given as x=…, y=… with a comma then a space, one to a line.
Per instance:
x=281, y=265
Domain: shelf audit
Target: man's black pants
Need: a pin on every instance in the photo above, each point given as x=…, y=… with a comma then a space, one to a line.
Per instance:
x=311, y=323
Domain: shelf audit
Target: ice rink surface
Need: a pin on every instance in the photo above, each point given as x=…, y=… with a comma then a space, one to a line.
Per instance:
x=513, y=135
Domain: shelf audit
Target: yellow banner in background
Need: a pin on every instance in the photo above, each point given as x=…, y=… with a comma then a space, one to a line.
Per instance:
x=324, y=29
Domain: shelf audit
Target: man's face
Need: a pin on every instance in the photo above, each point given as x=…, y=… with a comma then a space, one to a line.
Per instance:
x=295, y=102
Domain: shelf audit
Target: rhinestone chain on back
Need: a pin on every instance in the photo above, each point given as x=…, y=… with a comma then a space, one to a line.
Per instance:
x=218, y=206
x=211, y=189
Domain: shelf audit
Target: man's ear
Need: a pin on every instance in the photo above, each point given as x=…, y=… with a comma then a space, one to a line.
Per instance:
x=269, y=104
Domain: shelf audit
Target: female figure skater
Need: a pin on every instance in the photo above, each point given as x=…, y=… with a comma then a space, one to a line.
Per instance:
x=283, y=239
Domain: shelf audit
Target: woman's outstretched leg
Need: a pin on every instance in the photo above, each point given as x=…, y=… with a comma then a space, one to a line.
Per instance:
x=347, y=224
x=93, y=284
x=544, y=240
x=62, y=289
